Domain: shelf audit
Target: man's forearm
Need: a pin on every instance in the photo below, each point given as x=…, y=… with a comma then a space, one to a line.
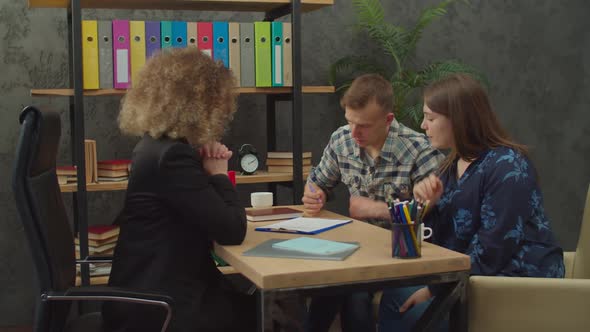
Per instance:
x=381, y=211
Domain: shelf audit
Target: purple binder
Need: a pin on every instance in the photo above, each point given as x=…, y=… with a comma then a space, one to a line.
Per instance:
x=152, y=38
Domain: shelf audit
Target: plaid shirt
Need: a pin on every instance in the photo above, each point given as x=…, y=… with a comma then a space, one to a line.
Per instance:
x=406, y=157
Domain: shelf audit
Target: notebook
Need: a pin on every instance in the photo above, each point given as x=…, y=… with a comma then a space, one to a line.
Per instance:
x=265, y=249
x=315, y=246
x=275, y=213
x=304, y=225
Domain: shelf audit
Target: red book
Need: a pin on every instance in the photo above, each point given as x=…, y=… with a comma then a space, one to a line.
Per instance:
x=114, y=165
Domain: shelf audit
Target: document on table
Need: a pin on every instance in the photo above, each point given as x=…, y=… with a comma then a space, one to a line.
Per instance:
x=304, y=225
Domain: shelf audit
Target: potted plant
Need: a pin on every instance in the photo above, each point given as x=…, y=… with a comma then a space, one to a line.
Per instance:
x=399, y=45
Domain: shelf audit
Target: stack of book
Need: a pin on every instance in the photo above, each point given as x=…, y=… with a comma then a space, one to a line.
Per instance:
x=97, y=269
x=101, y=240
x=282, y=162
x=90, y=160
x=66, y=174
x=113, y=170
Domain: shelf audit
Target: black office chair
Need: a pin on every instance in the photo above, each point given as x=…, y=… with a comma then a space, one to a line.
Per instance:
x=42, y=212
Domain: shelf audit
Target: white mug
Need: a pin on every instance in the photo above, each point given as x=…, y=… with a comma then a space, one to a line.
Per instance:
x=425, y=229
x=261, y=199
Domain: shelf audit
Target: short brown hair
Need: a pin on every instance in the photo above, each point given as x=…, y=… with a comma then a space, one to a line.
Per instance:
x=476, y=128
x=368, y=88
x=180, y=93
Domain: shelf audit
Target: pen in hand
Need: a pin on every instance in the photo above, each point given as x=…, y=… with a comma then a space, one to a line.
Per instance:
x=312, y=189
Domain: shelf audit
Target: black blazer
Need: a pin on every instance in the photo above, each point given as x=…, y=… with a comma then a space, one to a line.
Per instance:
x=173, y=212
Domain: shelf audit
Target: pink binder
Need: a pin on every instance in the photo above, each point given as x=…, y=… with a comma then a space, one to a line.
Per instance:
x=121, y=56
x=205, y=35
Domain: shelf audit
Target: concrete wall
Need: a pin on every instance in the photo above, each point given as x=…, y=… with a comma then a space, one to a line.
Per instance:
x=533, y=53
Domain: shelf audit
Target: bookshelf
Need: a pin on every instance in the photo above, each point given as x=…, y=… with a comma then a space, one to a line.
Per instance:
x=115, y=92
x=259, y=177
x=273, y=9
x=197, y=5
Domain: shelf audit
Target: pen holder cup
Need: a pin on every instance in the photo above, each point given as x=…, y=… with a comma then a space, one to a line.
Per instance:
x=406, y=239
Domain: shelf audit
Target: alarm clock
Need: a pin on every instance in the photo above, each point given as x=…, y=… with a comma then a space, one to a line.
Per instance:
x=248, y=159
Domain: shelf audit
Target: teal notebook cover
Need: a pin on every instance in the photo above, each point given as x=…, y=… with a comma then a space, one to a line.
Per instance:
x=265, y=249
x=314, y=246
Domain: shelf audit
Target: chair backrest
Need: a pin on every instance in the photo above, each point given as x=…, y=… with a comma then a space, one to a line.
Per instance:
x=582, y=258
x=42, y=212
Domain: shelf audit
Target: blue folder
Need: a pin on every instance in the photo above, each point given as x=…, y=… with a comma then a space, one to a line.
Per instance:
x=269, y=228
x=220, y=42
x=178, y=34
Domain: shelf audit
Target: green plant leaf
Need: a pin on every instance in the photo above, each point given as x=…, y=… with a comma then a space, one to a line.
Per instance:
x=369, y=11
x=411, y=116
x=426, y=18
x=351, y=66
x=439, y=70
x=392, y=39
x=399, y=44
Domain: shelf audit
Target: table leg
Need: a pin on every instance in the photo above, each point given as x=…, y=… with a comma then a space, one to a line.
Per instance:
x=458, y=317
x=260, y=312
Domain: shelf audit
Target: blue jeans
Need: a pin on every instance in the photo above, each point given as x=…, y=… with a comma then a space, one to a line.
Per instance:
x=356, y=312
x=391, y=320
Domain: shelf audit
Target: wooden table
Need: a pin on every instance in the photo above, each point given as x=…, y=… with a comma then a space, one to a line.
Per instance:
x=371, y=267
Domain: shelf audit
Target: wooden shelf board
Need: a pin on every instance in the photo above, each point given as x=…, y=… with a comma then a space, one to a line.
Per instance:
x=201, y=5
x=117, y=92
x=105, y=186
x=259, y=177
x=265, y=177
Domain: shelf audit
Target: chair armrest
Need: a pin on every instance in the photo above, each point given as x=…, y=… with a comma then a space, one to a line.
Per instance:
x=114, y=294
x=528, y=304
x=95, y=259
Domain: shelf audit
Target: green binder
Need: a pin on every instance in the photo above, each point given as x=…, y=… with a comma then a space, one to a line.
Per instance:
x=262, y=50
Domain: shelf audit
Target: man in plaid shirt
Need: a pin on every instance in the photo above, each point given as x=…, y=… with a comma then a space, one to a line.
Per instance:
x=370, y=155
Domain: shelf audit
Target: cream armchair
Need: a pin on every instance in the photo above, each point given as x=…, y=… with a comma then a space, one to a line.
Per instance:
x=503, y=304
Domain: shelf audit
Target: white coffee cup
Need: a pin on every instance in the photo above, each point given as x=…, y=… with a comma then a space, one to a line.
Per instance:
x=261, y=199
x=423, y=230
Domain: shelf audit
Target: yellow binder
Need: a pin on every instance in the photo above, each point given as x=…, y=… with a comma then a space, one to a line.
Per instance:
x=137, y=35
x=90, y=54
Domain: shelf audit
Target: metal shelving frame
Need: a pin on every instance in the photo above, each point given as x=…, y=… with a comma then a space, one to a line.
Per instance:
x=76, y=110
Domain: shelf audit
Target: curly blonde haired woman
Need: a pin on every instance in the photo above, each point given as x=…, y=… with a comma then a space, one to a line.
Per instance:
x=179, y=198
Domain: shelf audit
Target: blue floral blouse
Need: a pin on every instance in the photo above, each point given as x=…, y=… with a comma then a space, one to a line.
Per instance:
x=494, y=213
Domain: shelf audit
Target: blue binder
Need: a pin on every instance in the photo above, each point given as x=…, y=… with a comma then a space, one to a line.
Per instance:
x=220, y=43
x=178, y=34
x=281, y=227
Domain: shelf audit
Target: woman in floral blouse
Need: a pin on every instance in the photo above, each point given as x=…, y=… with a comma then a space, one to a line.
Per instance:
x=485, y=202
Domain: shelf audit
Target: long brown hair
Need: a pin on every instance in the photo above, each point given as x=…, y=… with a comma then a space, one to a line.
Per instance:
x=475, y=127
